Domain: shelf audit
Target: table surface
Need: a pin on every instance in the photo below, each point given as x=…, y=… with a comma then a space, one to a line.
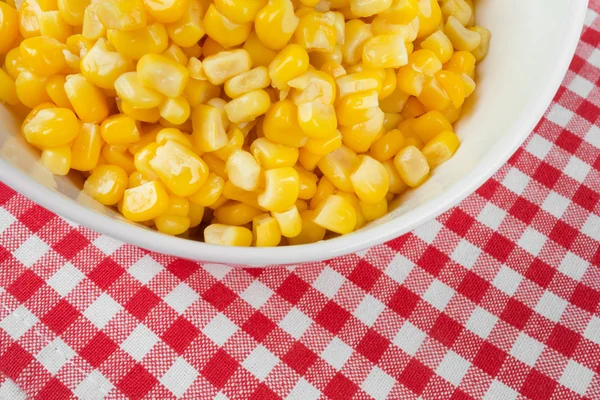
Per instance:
x=498, y=298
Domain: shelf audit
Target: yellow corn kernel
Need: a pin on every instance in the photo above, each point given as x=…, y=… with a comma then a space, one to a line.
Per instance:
x=370, y=180
x=454, y=86
x=8, y=89
x=261, y=54
x=425, y=61
x=117, y=155
x=236, y=141
x=358, y=82
x=223, y=30
x=318, y=59
x=289, y=222
x=51, y=127
x=222, y=200
x=352, y=199
x=275, y=23
x=225, y=65
x=322, y=147
x=334, y=69
x=441, y=148
x=282, y=186
x=55, y=89
x=357, y=108
x=145, y=202
x=179, y=168
x=291, y=62
x=248, y=106
x=469, y=85
x=172, y=224
x=389, y=83
x=130, y=89
x=9, y=27
x=273, y=155
x=88, y=101
x=226, y=235
x=266, y=231
x=310, y=232
x=86, y=148
x=166, y=11
x=462, y=38
x=195, y=215
x=412, y=166
x=136, y=179
x=13, y=64
x=193, y=51
x=166, y=134
x=174, y=53
x=209, y=133
x=385, y=51
x=430, y=124
x=72, y=11
x=240, y=12
x=382, y=26
x=57, y=159
x=391, y=121
x=134, y=44
x=149, y=133
x=79, y=44
x=162, y=74
x=397, y=185
x=462, y=62
x=336, y=214
x=195, y=69
x=102, y=67
x=210, y=192
x=318, y=121
x=175, y=110
x=481, y=51
x=372, y=212
x=236, y=213
x=107, y=184
x=430, y=17
x=308, y=183
x=308, y=160
x=313, y=87
x=43, y=55
x=388, y=145
x=232, y=192
x=316, y=32
x=324, y=189
x=199, y=92
x=243, y=170
x=257, y=78
x=215, y=165
x=92, y=27
x=357, y=33
x=188, y=30
x=280, y=125
x=413, y=108
x=452, y=113
x=338, y=166
x=119, y=129
x=361, y=136
x=366, y=8
x=150, y=115
x=401, y=11
x=124, y=15
x=433, y=96
x=53, y=25
x=395, y=102
x=440, y=45
x=459, y=9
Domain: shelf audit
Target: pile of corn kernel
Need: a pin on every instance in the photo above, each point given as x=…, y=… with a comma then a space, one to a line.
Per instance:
x=256, y=122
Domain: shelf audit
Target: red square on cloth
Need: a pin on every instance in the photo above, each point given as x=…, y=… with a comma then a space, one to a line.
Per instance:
x=142, y=302
x=415, y=376
x=258, y=326
x=54, y=389
x=403, y=302
x=60, y=317
x=25, y=286
x=98, y=349
x=36, y=217
x=340, y=388
x=180, y=334
x=292, y=289
x=71, y=244
x=106, y=273
x=516, y=313
x=219, y=295
x=538, y=386
x=364, y=275
x=373, y=345
x=14, y=360
x=332, y=317
x=446, y=330
x=300, y=358
x=137, y=382
x=563, y=340
x=473, y=287
x=219, y=369
x=489, y=358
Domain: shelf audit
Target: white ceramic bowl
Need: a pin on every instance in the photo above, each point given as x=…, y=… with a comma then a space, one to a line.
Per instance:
x=532, y=45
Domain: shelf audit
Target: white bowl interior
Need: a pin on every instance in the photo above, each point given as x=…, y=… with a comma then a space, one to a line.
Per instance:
x=532, y=44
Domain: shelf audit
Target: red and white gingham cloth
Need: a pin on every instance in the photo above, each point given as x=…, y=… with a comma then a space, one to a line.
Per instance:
x=497, y=299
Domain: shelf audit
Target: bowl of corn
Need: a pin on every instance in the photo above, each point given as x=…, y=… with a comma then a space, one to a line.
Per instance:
x=269, y=131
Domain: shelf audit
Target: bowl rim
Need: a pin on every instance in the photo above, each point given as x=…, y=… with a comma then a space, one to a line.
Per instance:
x=260, y=257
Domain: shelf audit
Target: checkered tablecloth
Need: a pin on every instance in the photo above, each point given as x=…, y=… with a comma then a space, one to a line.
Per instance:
x=498, y=298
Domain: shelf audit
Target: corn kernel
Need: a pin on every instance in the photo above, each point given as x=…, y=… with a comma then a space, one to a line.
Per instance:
x=124, y=15
x=117, y=155
x=275, y=23
x=166, y=11
x=440, y=45
x=195, y=215
x=481, y=51
x=322, y=147
x=391, y=121
x=324, y=189
x=291, y=62
x=372, y=212
x=232, y=192
x=102, y=67
x=136, y=179
x=282, y=186
x=338, y=166
x=309, y=231
x=145, y=202
x=257, y=78
x=236, y=213
x=199, y=92
x=366, y=8
x=225, y=235
x=361, y=136
x=316, y=32
x=459, y=9
x=172, y=224
x=397, y=185
x=430, y=17
x=413, y=108
x=289, y=221
x=222, y=200
x=86, y=148
x=188, y=30
x=248, y=106
x=53, y=25
x=180, y=169
x=265, y=230
x=280, y=125
x=336, y=214
x=72, y=11
x=385, y=51
x=388, y=145
x=13, y=64
x=223, y=30
x=273, y=155
x=412, y=166
x=130, y=89
x=9, y=27
x=370, y=180
x=88, y=101
x=43, y=55
x=333, y=68
x=357, y=108
x=395, y=102
x=166, y=134
x=52, y=127
x=357, y=33
x=57, y=159
x=215, y=165
x=430, y=124
x=243, y=170
x=150, y=115
x=440, y=148
x=174, y=53
x=106, y=184
x=135, y=44
x=119, y=129
x=92, y=27
x=8, y=89
x=317, y=120
x=462, y=38
x=149, y=133
x=352, y=199
x=175, y=110
x=462, y=62
x=236, y=141
x=401, y=11
x=210, y=192
x=209, y=133
x=308, y=160
x=161, y=74
x=433, y=96
x=225, y=65
x=261, y=54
